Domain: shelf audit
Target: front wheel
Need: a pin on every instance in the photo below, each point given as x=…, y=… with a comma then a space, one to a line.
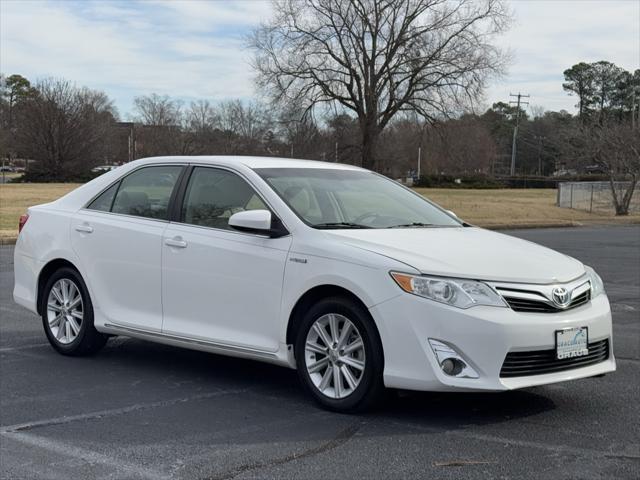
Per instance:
x=339, y=355
x=67, y=315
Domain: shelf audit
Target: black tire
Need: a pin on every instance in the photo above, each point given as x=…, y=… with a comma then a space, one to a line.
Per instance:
x=89, y=340
x=370, y=389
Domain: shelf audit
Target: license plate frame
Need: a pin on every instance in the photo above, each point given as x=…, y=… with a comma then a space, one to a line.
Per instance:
x=568, y=347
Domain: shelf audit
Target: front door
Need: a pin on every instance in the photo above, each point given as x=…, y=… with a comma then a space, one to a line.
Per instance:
x=218, y=284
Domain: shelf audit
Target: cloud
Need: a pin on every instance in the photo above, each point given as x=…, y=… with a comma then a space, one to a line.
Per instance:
x=549, y=37
x=184, y=49
x=195, y=49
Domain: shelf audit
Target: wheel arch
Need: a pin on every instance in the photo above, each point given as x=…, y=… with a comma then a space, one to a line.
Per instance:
x=49, y=269
x=314, y=295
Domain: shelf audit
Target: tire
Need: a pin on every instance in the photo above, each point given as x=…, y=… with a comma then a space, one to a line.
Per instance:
x=59, y=303
x=358, y=389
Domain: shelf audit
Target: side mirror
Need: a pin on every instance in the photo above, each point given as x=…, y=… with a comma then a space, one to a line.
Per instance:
x=257, y=221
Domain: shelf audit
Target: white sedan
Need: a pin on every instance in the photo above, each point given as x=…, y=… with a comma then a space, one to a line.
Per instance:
x=352, y=279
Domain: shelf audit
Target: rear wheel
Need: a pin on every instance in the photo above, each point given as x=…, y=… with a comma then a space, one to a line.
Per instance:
x=339, y=355
x=67, y=315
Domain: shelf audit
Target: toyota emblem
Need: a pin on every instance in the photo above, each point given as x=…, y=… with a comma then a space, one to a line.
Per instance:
x=561, y=296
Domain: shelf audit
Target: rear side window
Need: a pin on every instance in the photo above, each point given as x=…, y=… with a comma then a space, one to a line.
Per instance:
x=104, y=200
x=213, y=195
x=146, y=192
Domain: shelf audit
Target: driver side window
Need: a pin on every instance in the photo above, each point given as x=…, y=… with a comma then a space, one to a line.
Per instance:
x=213, y=195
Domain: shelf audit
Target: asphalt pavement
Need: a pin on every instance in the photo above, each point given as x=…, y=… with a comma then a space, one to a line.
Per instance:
x=142, y=410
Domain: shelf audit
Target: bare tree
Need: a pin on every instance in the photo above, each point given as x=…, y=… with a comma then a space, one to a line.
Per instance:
x=157, y=110
x=162, y=130
x=380, y=57
x=66, y=129
x=616, y=148
x=245, y=125
x=299, y=133
x=201, y=117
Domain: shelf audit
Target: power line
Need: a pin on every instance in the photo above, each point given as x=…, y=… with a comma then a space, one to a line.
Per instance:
x=519, y=102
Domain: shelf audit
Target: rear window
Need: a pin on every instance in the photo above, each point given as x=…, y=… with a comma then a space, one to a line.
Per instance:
x=143, y=193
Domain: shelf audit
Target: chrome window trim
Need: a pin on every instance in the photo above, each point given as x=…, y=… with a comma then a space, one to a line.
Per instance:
x=168, y=164
x=102, y=212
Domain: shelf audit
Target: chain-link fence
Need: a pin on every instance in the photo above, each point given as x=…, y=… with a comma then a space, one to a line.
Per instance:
x=594, y=196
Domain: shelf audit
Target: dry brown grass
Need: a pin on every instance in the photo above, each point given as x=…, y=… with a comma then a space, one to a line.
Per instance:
x=516, y=207
x=487, y=208
x=15, y=198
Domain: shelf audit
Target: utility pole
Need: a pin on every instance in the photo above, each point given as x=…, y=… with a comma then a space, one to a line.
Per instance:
x=633, y=110
x=336, y=152
x=419, y=160
x=540, y=140
x=519, y=102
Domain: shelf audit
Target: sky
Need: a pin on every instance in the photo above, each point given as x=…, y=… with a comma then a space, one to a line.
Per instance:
x=196, y=49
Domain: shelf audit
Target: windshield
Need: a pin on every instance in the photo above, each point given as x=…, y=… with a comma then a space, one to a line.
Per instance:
x=333, y=198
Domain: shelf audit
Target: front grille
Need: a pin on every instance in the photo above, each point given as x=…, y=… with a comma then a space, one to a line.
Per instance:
x=537, y=362
x=536, y=306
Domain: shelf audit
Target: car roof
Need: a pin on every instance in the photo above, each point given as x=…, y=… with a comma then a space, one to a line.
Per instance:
x=251, y=162
x=81, y=195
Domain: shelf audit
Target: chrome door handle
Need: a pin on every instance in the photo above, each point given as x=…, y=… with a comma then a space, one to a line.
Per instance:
x=175, y=242
x=84, y=228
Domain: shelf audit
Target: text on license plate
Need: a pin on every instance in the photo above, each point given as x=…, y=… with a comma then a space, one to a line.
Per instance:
x=572, y=342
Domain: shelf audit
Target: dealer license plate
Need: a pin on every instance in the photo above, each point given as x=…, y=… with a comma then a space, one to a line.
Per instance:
x=572, y=342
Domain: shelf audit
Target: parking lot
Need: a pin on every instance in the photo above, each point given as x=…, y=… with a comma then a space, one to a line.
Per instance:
x=141, y=410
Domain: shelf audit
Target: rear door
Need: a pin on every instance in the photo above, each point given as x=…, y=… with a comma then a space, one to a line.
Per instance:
x=118, y=239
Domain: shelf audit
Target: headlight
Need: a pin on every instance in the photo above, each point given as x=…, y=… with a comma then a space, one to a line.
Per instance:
x=597, y=287
x=457, y=292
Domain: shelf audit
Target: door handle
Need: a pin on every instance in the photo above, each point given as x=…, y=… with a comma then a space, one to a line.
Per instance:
x=175, y=242
x=84, y=228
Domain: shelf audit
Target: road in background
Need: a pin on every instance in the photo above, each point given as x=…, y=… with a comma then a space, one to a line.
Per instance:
x=142, y=410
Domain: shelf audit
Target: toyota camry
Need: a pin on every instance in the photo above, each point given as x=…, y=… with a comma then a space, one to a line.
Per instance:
x=352, y=279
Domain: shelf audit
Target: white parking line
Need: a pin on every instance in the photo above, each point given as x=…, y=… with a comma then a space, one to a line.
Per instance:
x=88, y=456
x=22, y=347
x=633, y=450
x=113, y=412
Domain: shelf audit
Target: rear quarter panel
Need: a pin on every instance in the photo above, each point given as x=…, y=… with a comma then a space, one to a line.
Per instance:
x=45, y=237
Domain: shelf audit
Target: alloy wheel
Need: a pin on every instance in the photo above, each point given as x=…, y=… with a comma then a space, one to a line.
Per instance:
x=335, y=355
x=65, y=311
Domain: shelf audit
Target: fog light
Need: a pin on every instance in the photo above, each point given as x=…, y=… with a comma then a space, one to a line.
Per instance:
x=452, y=366
x=451, y=361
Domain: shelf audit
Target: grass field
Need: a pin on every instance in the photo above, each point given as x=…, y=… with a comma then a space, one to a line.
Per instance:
x=15, y=198
x=516, y=207
x=486, y=208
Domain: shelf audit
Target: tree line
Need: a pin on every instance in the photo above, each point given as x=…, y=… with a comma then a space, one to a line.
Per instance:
x=377, y=83
x=69, y=129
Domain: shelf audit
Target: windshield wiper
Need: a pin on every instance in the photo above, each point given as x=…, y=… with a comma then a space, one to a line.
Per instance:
x=329, y=225
x=412, y=225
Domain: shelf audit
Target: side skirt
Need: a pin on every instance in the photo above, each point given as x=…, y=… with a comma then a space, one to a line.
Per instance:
x=276, y=358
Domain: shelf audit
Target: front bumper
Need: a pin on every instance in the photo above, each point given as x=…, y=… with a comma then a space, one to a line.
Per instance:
x=483, y=336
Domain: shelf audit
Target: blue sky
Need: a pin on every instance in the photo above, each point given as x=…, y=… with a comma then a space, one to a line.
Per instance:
x=195, y=49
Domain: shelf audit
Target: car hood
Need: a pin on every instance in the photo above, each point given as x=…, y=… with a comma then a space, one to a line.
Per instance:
x=466, y=252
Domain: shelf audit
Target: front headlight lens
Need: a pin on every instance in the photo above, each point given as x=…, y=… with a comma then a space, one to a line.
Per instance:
x=456, y=292
x=597, y=286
